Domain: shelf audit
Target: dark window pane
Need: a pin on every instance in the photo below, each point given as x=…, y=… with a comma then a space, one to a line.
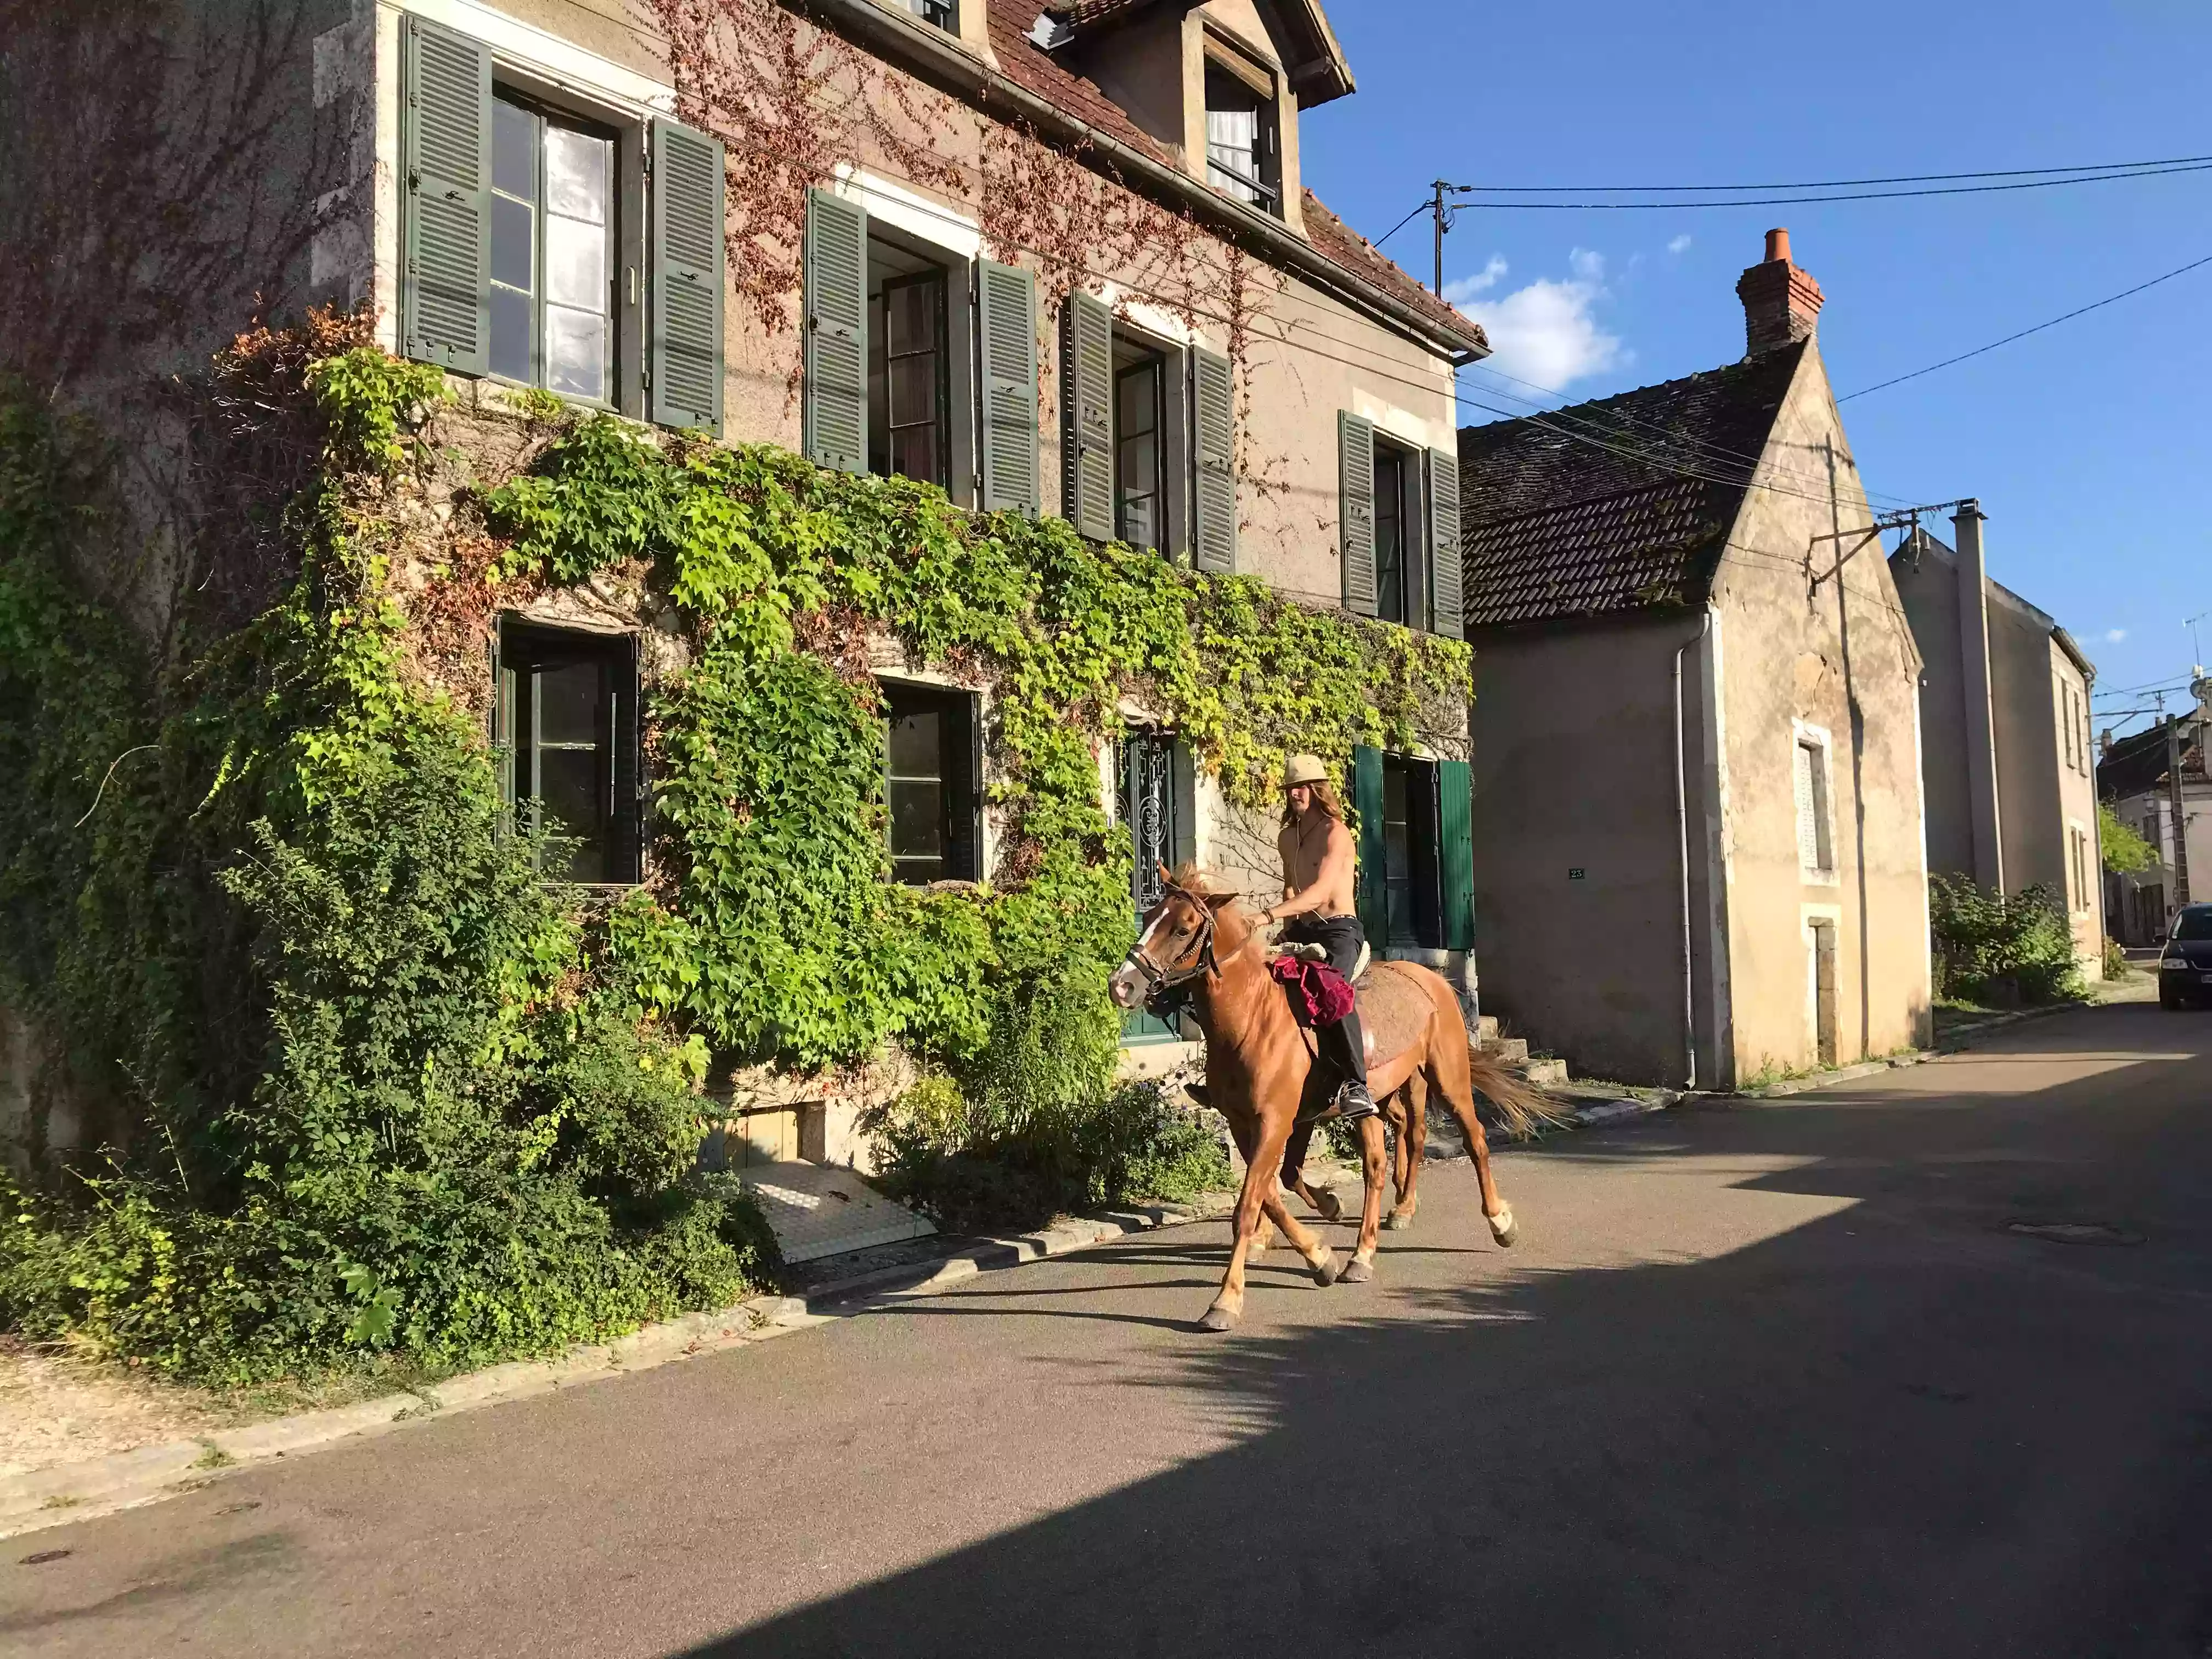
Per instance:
x=912, y=323
x=510, y=334
x=1389, y=535
x=914, y=390
x=513, y=150
x=571, y=799
x=568, y=701
x=914, y=453
x=514, y=259
x=917, y=745
x=917, y=818
x=1140, y=398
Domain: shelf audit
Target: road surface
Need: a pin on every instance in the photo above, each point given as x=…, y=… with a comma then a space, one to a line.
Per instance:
x=1782, y=1379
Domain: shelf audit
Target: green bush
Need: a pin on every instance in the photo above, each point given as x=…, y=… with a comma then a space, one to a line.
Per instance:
x=1981, y=936
x=975, y=1165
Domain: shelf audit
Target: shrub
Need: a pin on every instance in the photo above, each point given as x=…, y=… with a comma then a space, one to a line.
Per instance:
x=1981, y=936
x=972, y=1168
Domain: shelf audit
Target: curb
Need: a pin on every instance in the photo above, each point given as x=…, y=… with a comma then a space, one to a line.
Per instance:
x=1956, y=1042
x=101, y=1485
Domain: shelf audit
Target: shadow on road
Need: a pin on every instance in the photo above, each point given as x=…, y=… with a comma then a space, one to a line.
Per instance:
x=1887, y=1426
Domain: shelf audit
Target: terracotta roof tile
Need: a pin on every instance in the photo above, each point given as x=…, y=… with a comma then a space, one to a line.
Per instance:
x=1348, y=248
x=1569, y=513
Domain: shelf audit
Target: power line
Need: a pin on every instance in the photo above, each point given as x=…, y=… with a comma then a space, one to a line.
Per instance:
x=1858, y=196
x=1419, y=208
x=1839, y=184
x=2079, y=311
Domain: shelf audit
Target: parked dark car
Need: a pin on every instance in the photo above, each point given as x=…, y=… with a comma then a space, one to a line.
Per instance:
x=2184, y=970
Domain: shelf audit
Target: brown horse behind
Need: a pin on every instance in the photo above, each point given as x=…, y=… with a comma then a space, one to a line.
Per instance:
x=1257, y=1064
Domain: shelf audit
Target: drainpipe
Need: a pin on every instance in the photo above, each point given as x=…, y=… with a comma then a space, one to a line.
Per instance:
x=1682, y=837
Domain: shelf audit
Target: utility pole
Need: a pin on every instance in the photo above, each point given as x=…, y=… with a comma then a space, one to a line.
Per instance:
x=2180, y=894
x=1436, y=211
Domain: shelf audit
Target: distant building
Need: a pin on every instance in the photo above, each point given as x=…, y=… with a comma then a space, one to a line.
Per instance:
x=2135, y=778
x=1698, y=847
x=2004, y=731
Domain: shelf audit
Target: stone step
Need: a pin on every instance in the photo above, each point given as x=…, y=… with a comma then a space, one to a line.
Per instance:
x=1485, y=1028
x=1510, y=1051
x=1544, y=1073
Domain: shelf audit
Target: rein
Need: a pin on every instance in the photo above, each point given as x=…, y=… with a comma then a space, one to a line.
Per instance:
x=1203, y=961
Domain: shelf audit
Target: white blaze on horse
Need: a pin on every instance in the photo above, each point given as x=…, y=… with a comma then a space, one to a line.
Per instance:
x=1258, y=1070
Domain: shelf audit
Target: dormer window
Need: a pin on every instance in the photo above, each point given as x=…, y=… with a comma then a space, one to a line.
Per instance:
x=942, y=14
x=1241, y=147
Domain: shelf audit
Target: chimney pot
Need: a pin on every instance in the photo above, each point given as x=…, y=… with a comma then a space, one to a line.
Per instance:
x=1781, y=302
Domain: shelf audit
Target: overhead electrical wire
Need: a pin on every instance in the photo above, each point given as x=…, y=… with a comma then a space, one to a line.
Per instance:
x=1839, y=184
x=2094, y=304
x=1853, y=196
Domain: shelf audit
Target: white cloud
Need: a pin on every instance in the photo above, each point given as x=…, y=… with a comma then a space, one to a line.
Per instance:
x=1460, y=288
x=1680, y=244
x=2114, y=635
x=1545, y=332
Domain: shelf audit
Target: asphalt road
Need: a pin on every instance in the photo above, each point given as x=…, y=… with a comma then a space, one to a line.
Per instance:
x=1767, y=1380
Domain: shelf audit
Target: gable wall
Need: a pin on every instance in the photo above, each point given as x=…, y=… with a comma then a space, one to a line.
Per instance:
x=1841, y=662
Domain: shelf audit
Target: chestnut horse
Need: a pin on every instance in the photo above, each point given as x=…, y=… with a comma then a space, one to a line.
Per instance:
x=1258, y=1064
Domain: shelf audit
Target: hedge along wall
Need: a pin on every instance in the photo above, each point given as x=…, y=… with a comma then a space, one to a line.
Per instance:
x=383, y=1087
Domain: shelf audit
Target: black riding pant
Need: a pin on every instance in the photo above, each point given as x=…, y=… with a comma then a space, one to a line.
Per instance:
x=1341, y=937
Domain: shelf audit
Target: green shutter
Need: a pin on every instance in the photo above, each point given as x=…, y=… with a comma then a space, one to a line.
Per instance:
x=1086, y=407
x=834, y=412
x=1450, y=605
x=1355, y=487
x=1371, y=900
x=1185, y=798
x=685, y=358
x=1455, y=852
x=445, y=156
x=1006, y=332
x=1213, y=453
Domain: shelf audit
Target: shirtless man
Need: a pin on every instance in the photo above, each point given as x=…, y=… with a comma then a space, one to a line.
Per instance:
x=1316, y=906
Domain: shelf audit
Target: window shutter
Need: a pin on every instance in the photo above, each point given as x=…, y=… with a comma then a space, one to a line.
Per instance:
x=1372, y=896
x=1086, y=407
x=1355, y=484
x=834, y=407
x=1455, y=852
x=1213, y=450
x=1450, y=605
x=1186, y=805
x=685, y=358
x=445, y=151
x=1006, y=329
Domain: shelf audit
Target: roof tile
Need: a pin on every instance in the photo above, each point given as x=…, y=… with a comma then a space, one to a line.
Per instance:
x=1616, y=505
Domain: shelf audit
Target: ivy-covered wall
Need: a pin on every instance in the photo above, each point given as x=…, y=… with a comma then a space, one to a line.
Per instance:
x=369, y=1084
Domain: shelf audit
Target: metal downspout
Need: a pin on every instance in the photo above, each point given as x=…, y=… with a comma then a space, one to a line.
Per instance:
x=1682, y=837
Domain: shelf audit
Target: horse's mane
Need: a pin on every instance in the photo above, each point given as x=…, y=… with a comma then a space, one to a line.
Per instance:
x=1194, y=878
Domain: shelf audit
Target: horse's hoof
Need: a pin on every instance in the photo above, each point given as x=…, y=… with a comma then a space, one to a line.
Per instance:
x=1505, y=1229
x=1325, y=1270
x=1357, y=1271
x=1327, y=1204
x=1217, y=1318
x=1398, y=1220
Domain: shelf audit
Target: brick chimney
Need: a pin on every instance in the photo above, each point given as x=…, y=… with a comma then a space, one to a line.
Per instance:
x=1780, y=303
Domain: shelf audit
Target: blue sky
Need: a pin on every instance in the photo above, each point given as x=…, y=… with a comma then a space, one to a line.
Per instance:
x=2087, y=445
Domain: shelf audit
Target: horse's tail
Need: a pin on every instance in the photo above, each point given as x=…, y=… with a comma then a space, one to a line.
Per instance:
x=1527, y=1109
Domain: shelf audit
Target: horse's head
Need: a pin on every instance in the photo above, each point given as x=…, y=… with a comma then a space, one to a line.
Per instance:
x=1175, y=941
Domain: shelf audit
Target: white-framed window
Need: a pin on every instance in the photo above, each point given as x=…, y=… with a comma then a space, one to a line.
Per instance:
x=1816, y=837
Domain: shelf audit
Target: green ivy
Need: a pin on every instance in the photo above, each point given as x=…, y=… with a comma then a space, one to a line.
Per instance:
x=371, y=1090
x=779, y=936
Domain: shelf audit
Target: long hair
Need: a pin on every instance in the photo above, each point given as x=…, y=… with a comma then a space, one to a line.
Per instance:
x=1324, y=796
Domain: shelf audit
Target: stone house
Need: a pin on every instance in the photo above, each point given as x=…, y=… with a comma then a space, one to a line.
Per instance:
x=1698, y=849
x=2136, y=777
x=2005, y=726
x=1054, y=261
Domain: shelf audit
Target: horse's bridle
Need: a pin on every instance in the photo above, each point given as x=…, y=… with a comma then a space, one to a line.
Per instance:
x=1158, y=977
